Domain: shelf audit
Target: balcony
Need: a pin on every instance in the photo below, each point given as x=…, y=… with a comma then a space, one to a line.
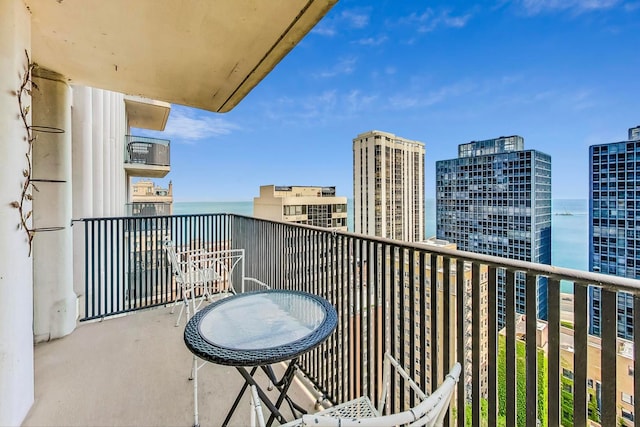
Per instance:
x=147, y=157
x=132, y=371
x=372, y=282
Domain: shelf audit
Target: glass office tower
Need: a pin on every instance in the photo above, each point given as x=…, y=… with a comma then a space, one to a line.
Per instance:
x=614, y=223
x=495, y=199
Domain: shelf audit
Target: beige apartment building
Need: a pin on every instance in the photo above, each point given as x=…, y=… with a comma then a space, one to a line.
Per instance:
x=148, y=199
x=624, y=386
x=318, y=206
x=388, y=186
x=624, y=365
x=468, y=313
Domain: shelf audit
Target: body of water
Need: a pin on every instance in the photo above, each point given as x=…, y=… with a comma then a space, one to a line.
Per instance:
x=569, y=226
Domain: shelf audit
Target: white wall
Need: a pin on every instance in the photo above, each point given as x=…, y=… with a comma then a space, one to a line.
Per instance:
x=16, y=292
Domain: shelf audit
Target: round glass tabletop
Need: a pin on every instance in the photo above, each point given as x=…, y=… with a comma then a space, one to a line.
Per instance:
x=261, y=320
x=260, y=328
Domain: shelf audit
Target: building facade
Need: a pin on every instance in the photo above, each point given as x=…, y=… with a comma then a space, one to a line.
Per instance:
x=388, y=186
x=318, y=206
x=454, y=329
x=614, y=218
x=495, y=199
x=148, y=199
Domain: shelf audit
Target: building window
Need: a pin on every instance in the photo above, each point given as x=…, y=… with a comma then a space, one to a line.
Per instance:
x=567, y=373
x=626, y=398
x=627, y=415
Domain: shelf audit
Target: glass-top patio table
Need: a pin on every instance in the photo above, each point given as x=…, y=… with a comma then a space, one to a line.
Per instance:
x=258, y=329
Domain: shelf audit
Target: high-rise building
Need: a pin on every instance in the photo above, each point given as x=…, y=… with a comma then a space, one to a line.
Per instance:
x=317, y=206
x=388, y=186
x=614, y=218
x=495, y=199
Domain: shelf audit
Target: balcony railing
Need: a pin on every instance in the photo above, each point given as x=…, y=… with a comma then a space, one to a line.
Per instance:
x=389, y=296
x=147, y=151
x=148, y=209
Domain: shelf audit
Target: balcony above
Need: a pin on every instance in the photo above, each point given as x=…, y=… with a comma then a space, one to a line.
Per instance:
x=147, y=157
x=145, y=113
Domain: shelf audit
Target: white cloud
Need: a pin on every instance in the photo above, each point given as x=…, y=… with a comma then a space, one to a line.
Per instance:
x=345, y=66
x=324, y=29
x=328, y=27
x=431, y=20
x=355, y=19
x=581, y=100
x=372, y=41
x=324, y=107
x=356, y=101
x=630, y=7
x=534, y=7
x=416, y=99
x=191, y=125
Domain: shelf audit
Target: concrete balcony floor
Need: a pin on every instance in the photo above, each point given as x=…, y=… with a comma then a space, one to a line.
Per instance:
x=133, y=371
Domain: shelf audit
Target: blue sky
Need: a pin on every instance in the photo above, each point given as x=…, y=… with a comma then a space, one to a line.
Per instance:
x=563, y=74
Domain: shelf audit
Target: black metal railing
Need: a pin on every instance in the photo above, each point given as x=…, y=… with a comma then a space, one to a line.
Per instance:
x=126, y=267
x=390, y=296
x=147, y=151
x=148, y=208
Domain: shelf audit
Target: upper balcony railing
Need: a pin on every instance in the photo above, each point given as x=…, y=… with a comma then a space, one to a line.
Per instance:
x=147, y=151
x=389, y=295
x=148, y=209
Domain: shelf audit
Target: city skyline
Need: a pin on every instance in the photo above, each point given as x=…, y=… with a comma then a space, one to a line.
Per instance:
x=561, y=75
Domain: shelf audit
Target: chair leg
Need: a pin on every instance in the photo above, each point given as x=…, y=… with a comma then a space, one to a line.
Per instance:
x=194, y=374
x=184, y=303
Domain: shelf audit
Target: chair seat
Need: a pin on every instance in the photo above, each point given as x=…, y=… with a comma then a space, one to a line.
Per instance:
x=360, y=407
x=356, y=408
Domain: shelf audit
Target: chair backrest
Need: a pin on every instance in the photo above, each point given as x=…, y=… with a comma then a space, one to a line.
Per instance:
x=176, y=265
x=182, y=262
x=230, y=267
x=389, y=363
x=429, y=412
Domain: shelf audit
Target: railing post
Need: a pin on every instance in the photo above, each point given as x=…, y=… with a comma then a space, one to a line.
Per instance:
x=553, y=361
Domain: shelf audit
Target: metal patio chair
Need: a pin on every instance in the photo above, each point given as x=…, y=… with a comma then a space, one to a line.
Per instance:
x=209, y=274
x=193, y=278
x=430, y=410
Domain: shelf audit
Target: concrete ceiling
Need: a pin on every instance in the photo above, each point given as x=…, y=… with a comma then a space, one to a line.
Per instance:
x=202, y=53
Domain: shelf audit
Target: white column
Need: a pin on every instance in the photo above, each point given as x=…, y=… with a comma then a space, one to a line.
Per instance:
x=54, y=301
x=120, y=159
x=16, y=282
x=114, y=153
x=82, y=179
x=97, y=150
x=106, y=152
